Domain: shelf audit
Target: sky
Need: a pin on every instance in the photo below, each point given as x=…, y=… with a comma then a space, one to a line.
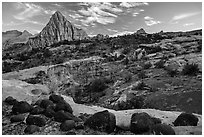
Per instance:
x=105, y=17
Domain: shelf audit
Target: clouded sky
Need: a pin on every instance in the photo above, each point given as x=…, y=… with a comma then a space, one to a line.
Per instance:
x=105, y=18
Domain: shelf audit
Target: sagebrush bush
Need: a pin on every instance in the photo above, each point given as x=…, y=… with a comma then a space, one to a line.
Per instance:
x=172, y=72
x=147, y=65
x=142, y=75
x=190, y=69
x=97, y=85
x=160, y=64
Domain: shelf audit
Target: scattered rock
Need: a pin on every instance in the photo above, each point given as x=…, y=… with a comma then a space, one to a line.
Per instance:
x=156, y=120
x=61, y=116
x=37, y=110
x=67, y=125
x=162, y=129
x=11, y=101
x=186, y=119
x=35, y=120
x=21, y=107
x=17, y=118
x=30, y=129
x=45, y=103
x=38, y=102
x=102, y=121
x=63, y=106
x=56, y=98
x=140, y=123
x=49, y=112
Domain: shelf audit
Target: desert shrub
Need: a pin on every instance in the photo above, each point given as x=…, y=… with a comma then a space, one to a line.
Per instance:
x=142, y=75
x=128, y=77
x=171, y=72
x=147, y=65
x=160, y=64
x=190, y=69
x=97, y=85
x=135, y=102
x=199, y=48
x=140, y=86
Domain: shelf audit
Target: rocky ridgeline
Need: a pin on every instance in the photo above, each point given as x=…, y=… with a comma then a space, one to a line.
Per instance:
x=57, y=29
x=37, y=117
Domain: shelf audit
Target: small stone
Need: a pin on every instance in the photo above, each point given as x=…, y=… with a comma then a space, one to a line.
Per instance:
x=67, y=125
x=37, y=110
x=30, y=129
x=102, y=121
x=62, y=116
x=36, y=91
x=35, y=120
x=11, y=101
x=186, y=119
x=17, y=118
x=140, y=123
x=56, y=98
x=63, y=106
x=45, y=103
x=21, y=107
x=162, y=129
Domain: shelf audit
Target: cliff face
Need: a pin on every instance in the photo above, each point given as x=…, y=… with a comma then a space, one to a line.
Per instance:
x=57, y=29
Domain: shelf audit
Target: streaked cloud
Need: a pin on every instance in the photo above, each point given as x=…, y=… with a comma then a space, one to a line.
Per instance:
x=149, y=21
x=133, y=4
x=113, y=30
x=135, y=14
x=103, y=13
x=184, y=15
x=188, y=24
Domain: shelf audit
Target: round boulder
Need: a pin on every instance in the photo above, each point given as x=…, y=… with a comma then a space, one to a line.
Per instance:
x=17, y=118
x=10, y=100
x=140, y=123
x=45, y=103
x=186, y=119
x=30, y=129
x=21, y=107
x=56, y=98
x=102, y=121
x=37, y=110
x=62, y=116
x=35, y=120
x=49, y=112
x=67, y=125
x=63, y=106
x=162, y=129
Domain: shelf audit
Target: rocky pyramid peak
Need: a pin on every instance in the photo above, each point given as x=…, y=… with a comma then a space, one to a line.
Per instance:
x=141, y=31
x=57, y=29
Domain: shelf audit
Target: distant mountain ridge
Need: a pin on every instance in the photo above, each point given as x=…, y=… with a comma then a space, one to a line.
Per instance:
x=57, y=29
x=14, y=36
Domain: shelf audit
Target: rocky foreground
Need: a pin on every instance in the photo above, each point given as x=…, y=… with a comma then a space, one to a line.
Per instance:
x=30, y=110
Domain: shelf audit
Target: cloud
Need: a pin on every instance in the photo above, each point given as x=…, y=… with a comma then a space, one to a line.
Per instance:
x=149, y=21
x=184, y=15
x=121, y=33
x=103, y=13
x=135, y=14
x=112, y=30
x=133, y=4
x=188, y=24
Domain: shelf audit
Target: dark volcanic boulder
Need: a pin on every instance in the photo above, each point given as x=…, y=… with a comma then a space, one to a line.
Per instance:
x=140, y=123
x=63, y=106
x=38, y=102
x=21, y=107
x=17, y=118
x=37, y=110
x=185, y=119
x=56, y=98
x=156, y=120
x=30, y=129
x=35, y=120
x=67, y=125
x=49, y=112
x=62, y=116
x=102, y=121
x=162, y=129
x=10, y=100
x=45, y=103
